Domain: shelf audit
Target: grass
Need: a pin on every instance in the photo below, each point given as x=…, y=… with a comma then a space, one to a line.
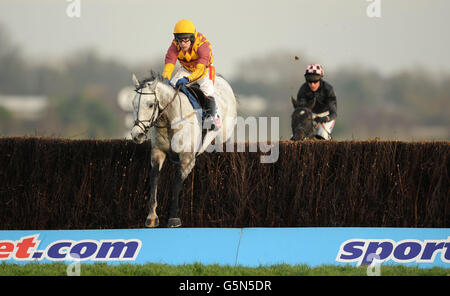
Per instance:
x=103, y=269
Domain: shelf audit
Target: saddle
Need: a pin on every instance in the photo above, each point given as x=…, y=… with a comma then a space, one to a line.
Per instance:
x=196, y=95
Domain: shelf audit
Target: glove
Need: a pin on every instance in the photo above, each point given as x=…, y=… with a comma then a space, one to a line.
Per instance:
x=183, y=81
x=321, y=119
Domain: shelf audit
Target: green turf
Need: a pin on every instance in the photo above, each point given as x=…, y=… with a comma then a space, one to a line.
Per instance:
x=102, y=269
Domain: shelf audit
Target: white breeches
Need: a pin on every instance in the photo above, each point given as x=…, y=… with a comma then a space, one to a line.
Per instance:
x=320, y=131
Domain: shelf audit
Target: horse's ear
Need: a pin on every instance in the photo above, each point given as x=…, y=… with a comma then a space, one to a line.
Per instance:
x=135, y=80
x=294, y=102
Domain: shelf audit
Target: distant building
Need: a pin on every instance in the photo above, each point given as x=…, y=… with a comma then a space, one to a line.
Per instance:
x=24, y=107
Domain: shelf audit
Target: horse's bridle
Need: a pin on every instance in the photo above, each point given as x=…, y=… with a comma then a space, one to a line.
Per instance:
x=152, y=121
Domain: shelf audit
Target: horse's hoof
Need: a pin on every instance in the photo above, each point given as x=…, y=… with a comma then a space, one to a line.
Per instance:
x=174, y=222
x=152, y=222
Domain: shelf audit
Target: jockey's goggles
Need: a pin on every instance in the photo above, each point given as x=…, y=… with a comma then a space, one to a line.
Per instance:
x=184, y=37
x=312, y=81
x=312, y=78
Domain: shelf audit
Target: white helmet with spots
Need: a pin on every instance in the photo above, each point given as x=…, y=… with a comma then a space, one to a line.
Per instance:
x=314, y=69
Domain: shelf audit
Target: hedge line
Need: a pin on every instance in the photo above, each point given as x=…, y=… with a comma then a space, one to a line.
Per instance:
x=50, y=183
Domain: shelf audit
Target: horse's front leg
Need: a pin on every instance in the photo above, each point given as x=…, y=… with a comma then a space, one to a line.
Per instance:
x=157, y=161
x=187, y=163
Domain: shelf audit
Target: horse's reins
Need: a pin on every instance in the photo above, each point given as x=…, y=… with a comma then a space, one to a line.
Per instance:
x=323, y=126
x=152, y=120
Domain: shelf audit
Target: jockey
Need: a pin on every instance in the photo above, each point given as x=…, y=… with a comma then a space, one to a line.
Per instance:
x=193, y=51
x=319, y=94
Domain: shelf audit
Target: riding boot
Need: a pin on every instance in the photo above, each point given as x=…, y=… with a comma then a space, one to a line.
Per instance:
x=212, y=119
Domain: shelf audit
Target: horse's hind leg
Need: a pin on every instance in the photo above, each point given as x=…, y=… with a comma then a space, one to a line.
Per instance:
x=187, y=162
x=158, y=158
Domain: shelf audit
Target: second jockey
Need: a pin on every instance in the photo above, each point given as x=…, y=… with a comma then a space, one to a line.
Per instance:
x=193, y=51
x=320, y=94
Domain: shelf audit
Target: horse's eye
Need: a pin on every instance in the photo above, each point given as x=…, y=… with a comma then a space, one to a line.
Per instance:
x=150, y=104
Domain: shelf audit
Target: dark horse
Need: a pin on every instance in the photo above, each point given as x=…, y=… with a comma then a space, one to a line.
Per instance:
x=302, y=123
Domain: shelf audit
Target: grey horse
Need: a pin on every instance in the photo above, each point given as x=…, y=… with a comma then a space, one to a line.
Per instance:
x=174, y=126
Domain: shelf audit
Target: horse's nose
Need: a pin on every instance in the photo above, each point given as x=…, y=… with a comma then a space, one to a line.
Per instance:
x=137, y=135
x=139, y=138
x=297, y=136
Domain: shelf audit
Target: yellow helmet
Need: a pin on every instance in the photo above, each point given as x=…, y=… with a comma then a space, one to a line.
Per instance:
x=184, y=27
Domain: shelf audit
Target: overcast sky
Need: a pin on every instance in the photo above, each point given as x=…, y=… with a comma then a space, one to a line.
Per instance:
x=334, y=32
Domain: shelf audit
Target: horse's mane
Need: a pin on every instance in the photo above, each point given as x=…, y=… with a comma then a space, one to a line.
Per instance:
x=154, y=76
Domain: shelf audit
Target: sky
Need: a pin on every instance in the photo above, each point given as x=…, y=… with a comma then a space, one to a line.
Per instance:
x=335, y=33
